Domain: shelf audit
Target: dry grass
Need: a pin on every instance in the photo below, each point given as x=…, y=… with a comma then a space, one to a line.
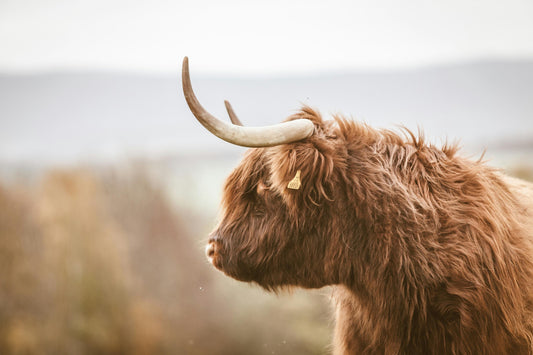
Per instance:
x=99, y=263
x=522, y=172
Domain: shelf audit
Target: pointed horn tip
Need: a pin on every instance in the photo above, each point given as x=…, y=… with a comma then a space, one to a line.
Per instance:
x=229, y=108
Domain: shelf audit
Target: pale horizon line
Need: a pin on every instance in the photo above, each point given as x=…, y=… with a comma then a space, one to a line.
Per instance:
x=268, y=74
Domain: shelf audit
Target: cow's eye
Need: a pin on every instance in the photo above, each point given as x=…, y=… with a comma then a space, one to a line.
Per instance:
x=258, y=210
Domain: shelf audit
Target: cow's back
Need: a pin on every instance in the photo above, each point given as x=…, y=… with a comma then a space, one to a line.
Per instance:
x=523, y=190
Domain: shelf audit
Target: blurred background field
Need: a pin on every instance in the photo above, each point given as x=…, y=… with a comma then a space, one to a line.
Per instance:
x=100, y=261
x=109, y=187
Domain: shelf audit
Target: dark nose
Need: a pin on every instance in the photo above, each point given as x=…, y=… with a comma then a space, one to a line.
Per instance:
x=212, y=246
x=210, y=250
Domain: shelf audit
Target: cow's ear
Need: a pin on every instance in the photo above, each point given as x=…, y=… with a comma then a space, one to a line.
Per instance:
x=303, y=173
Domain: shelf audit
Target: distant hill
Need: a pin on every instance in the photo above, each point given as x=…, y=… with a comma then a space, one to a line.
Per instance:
x=65, y=117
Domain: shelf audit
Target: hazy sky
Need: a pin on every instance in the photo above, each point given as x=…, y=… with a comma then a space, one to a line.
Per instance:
x=259, y=37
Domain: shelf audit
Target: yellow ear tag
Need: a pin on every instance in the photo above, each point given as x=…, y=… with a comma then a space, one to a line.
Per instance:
x=295, y=183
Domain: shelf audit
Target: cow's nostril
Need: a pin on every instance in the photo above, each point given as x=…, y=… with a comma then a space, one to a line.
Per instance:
x=210, y=250
x=213, y=248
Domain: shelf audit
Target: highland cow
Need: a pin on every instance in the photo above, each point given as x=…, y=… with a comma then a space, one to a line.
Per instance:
x=427, y=252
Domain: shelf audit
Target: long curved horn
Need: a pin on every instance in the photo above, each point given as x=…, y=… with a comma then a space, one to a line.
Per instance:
x=267, y=136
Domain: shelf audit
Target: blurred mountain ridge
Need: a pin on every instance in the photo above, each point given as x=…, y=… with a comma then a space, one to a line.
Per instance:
x=72, y=117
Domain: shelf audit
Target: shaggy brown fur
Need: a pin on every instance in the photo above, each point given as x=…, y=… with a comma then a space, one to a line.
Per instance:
x=428, y=252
